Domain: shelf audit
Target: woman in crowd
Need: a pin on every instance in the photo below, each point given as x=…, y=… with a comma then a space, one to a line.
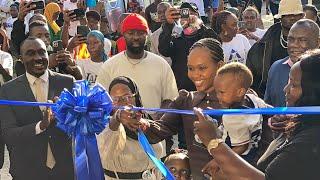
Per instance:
x=235, y=46
x=121, y=154
x=299, y=156
x=91, y=67
x=311, y=12
x=51, y=12
x=205, y=58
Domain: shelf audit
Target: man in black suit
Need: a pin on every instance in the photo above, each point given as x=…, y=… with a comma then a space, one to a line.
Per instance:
x=38, y=150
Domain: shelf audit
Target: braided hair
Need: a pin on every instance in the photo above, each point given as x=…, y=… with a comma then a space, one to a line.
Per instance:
x=214, y=47
x=218, y=19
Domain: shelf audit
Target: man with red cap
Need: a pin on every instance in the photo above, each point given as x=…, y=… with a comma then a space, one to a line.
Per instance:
x=152, y=74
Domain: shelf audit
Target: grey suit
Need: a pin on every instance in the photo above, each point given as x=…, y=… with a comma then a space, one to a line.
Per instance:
x=28, y=151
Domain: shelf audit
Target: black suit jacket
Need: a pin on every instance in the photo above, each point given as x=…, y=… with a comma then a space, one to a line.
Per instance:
x=28, y=151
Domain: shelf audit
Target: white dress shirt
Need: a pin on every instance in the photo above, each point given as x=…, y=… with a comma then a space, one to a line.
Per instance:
x=45, y=87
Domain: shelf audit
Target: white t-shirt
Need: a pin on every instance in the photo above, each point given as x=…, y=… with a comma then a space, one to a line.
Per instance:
x=244, y=128
x=259, y=33
x=200, y=6
x=68, y=5
x=9, y=26
x=107, y=48
x=153, y=75
x=236, y=50
x=7, y=63
x=89, y=69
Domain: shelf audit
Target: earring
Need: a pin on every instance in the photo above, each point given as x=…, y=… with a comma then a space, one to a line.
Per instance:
x=225, y=33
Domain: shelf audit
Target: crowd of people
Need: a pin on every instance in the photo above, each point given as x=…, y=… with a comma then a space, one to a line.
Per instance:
x=195, y=55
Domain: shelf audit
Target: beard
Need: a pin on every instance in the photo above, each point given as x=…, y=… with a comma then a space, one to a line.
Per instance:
x=135, y=50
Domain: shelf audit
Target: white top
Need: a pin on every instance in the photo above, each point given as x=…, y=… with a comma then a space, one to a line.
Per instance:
x=243, y=129
x=45, y=87
x=6, y=62
x=200, y=6
x=122, y=154
x=236, y=50
x=89, y=69
x=9, y=26
x=154, y=37
x=259, y=33
x=152, y=74
x=68, y=5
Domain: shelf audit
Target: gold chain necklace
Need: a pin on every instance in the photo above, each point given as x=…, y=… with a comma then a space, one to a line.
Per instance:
x=139, y=60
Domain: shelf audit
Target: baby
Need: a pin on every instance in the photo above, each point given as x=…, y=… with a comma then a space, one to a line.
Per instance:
x=241, y=132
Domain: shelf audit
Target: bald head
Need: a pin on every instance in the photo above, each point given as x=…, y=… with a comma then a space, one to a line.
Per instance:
x=303, y=36
x=308, y=25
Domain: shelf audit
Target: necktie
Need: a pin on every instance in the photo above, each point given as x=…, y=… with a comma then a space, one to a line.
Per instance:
x=40, y=96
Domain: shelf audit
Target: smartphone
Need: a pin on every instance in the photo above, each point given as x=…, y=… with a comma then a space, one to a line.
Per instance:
x=80, y=13
x=184, y=13
x=39, y=4
x=242, y=25
x=57, y=46
x=83, y=30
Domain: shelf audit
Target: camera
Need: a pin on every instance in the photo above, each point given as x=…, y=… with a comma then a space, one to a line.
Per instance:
x=184, y=13
x=242, y=25
x=57, y=46
x=78, y=12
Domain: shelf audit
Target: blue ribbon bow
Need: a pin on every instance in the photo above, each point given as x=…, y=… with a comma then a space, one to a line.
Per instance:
x=82, y=114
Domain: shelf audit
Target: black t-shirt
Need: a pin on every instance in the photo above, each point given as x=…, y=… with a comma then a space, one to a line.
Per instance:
x=296, y=158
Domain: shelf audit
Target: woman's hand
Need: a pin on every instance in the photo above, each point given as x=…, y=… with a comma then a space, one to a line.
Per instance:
x=172, y=15
x=76, y=41
x=24, y=8
x=130, y=119
x=68, y=17
x=282, y=123
x=65, y=57
x=204, y=128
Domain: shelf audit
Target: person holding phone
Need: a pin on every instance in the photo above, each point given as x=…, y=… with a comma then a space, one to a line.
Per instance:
x=51, y=12
x=96, y=47
x=177, y=47
x=120, y=151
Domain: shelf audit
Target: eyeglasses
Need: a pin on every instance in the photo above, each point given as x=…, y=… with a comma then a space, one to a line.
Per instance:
x=183, y=172
x=124, y=98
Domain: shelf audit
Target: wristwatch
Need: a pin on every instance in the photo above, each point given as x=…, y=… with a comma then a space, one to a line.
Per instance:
x=214, y=144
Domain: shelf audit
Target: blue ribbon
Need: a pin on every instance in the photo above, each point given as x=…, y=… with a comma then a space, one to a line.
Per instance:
x=82, y=114
x=150, y=152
